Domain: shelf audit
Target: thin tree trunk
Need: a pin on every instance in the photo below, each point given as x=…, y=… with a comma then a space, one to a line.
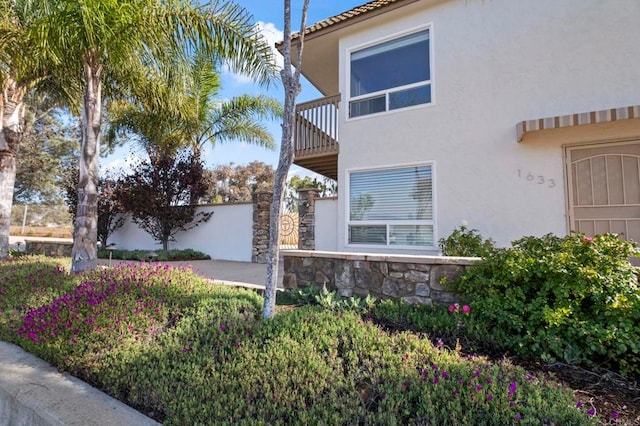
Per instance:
x=11, y=132
x=85, y=236
x=291, y=83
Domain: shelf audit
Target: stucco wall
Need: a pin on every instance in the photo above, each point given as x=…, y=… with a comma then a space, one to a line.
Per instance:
x=326, y=224
x=495, y=63
x=226, y=236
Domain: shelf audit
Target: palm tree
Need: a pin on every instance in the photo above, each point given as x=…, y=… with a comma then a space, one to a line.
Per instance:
x=164, y=117
x=113, y=42
x=22, y=69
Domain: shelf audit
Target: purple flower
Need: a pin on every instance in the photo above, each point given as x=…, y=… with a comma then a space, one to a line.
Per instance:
x=439, y=343
x=518, y=416
x=405, y=384
x=478, y=388
x=436, y=380
x=383, y=396
x=489, y=398
x=614, y=414
x=489, y=381
x=475, y=374
x=460, y=381
x=512, y=404
x=223, y=327
x=591, y=411
x=444, y=374
x=579, y=404
x=512, y=388
x=455, y=393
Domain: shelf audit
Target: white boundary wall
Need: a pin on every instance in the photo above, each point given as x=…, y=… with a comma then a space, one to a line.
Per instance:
x=326, y=224
x=228, y=235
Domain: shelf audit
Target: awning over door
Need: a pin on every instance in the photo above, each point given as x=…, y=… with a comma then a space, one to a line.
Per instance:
x=593, y=117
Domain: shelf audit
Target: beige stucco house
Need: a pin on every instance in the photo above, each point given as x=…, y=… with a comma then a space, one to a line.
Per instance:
x=516, y=117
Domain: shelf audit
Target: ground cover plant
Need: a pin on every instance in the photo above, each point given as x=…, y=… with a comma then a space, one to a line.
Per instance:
x=185, y=351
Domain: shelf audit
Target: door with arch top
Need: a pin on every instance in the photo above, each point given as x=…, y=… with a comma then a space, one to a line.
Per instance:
x=603, y=183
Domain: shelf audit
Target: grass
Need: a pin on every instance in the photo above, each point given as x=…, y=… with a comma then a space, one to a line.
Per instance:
x=184, y=351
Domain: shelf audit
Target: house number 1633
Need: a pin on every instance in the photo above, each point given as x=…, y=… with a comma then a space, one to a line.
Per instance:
x=534, y=178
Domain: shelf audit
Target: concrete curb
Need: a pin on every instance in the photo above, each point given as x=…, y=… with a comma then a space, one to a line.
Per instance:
x=33, y=393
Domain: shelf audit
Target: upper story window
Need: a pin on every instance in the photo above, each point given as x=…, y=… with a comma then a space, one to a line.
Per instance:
x=391, y=75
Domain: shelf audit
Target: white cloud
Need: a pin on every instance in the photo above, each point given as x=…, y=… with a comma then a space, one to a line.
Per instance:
x=120, y=165
x=272, y=35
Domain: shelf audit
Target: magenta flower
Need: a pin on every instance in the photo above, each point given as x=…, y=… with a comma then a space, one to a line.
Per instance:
x=439, y=343
x=588, y=239
x=466, y=309
x=453, y=307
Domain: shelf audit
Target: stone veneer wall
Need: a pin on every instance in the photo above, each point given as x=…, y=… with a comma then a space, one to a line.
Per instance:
x=413, y=279
x=307, y=218
x=49, y=248
x=261, y=215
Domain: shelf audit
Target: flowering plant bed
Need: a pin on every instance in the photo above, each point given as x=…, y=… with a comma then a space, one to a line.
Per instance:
x=183, y=351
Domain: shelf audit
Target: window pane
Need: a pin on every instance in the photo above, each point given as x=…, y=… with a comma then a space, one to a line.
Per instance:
x=410, y=97
x=367, y=106
x=394, y=194
x=411, y=235
x=391, y=64
x=376, y=234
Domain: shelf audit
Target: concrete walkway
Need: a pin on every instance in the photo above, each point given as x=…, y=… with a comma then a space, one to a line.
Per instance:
x=243, y=274
x=33, y=393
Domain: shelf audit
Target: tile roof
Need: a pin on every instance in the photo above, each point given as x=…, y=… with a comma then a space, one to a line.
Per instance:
x=348, y=15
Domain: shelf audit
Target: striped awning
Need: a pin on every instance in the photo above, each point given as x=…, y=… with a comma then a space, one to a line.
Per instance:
x=594, y=117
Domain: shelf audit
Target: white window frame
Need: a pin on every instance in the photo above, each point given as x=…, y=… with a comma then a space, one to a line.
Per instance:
x=389, y=223
x=348, y=99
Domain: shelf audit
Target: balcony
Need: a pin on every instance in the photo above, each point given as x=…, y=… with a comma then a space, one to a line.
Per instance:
x=315, y=136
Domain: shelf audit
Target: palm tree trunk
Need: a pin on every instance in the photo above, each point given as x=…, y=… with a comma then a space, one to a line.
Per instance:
x=85, y=236
x=11, y=117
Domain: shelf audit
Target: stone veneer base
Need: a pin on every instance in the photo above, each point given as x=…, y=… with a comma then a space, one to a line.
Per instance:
x=413, y=279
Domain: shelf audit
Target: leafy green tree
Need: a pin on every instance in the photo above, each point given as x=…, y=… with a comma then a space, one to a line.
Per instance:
x=122, y=42
x=49, y=145
x=161, y=195
x=236, y=184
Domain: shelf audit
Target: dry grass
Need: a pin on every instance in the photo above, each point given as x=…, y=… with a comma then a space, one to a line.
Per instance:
x=42, y=231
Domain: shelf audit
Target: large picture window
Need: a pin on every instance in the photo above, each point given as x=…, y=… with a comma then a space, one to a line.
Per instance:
x=391, y=207
x=391, y=75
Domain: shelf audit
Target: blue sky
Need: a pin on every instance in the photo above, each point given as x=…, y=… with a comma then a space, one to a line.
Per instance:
x=269, y=14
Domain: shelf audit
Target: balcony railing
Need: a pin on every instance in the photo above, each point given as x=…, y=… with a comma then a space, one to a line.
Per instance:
x=316, y=128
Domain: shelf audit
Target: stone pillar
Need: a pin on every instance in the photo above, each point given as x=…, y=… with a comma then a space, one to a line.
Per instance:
x=307, y=218
x=261, y=216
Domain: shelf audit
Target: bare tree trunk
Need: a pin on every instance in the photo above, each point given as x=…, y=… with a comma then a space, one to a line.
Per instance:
x=11, y=132
x=291, y=83
x=85, y=235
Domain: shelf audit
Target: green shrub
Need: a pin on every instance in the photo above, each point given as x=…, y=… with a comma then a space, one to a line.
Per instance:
x=162, y=255
x=571, y=298
x=466, y=243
